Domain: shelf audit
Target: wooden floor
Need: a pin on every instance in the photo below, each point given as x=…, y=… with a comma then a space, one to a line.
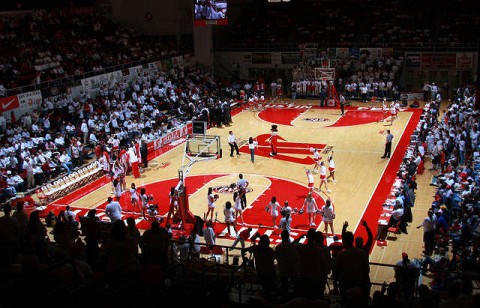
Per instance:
x=358, y=170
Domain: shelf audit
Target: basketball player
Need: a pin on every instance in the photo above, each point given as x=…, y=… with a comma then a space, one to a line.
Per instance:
x=323, y=177
x=331, y=169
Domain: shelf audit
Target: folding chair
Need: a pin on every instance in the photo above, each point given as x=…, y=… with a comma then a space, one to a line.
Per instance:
x=393, y=230
x=42, y=197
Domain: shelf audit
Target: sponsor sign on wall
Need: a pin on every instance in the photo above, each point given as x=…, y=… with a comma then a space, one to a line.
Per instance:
x=169, y=137
x=464, y=60
x=439, y=60
x=9, y=103
x=412, y=60
x=290, y=57
x=30, y=100
x=261, y=58
x=93, y=84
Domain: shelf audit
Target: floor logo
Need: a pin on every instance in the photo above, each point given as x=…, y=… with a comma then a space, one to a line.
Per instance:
x=317, y=119
x=228, y=189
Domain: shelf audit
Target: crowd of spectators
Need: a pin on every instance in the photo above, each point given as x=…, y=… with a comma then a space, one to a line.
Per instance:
x=64, y=132
x=373, y=22
x=43, y=45
x=448, y=139
x=364, y=77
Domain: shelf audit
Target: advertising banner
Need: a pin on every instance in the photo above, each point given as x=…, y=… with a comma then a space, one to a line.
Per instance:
x=439, y=60
x=412, y=60
x=53, y=91
x=93, y=84
x=342, y=53
x=464, y=60
x=290, y=57
x=30, y=100
x=9, y=103
x=261, y=58
x=169, y=137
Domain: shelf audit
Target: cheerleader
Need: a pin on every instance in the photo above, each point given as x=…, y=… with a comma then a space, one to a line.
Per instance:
x=134, y=197
x=211, y=198
x=273, y=208
x=328, y=215
x=311, y=208
x=331, y=169
x=229, y=213
x=316, y=158
x=143, y=201
x=237, y=201
x=323, y=177
x=117, y=189
x=310, y=180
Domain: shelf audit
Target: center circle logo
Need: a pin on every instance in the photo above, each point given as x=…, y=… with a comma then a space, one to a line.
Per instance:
x=228, y=189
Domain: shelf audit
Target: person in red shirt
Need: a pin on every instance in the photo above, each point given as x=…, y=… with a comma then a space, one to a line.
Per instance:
x=242, y=237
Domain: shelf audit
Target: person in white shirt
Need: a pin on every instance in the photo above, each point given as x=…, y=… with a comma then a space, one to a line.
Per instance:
x=113, y=210
x=229, y=213
x=232, y=142
x=66, y=162
x=59, y=141
x=84, y=130
x=273, y=207
x=209, y=234
x=93, y=139
x=252, y=144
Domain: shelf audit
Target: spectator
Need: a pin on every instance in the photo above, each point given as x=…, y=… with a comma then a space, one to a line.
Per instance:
x=264, y=257
x=352, y=267
x=113, y=210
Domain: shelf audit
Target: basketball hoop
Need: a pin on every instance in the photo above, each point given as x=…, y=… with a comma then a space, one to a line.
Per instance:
x=197, y=148
x=325, y=73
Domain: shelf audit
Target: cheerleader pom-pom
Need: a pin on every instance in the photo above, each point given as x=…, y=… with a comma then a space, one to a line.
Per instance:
x=267, y=209
x=216, y=196
x=300, y=211
x=312, y=150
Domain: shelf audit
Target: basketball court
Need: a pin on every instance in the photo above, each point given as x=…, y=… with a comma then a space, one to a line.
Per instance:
x=364, y=179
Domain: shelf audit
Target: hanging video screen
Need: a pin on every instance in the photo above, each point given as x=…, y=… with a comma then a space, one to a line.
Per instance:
x=210, y=12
